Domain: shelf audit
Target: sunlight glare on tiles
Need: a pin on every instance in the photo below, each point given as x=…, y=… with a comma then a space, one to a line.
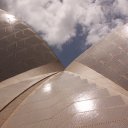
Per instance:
x=84, y=106
x=10, y=18
x=47, y=88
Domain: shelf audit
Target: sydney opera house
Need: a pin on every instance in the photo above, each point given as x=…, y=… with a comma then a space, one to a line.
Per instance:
x=37, y=92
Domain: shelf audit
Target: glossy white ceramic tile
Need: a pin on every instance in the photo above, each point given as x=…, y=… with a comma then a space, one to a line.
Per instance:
x=67, y=101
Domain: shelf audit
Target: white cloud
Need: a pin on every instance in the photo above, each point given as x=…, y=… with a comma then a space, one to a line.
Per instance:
x=122, y=6
x=58, y=19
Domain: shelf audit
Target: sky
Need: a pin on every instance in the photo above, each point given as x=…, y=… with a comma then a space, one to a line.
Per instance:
x=70, y=26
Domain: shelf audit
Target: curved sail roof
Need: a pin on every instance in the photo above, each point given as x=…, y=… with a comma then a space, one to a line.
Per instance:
x=110, y=56
x=21, y=49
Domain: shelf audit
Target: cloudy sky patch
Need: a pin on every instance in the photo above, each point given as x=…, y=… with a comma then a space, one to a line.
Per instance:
x=57, y=19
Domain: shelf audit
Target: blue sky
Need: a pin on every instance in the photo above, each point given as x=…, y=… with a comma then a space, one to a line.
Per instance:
x=72, y=49
x=70, y=26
